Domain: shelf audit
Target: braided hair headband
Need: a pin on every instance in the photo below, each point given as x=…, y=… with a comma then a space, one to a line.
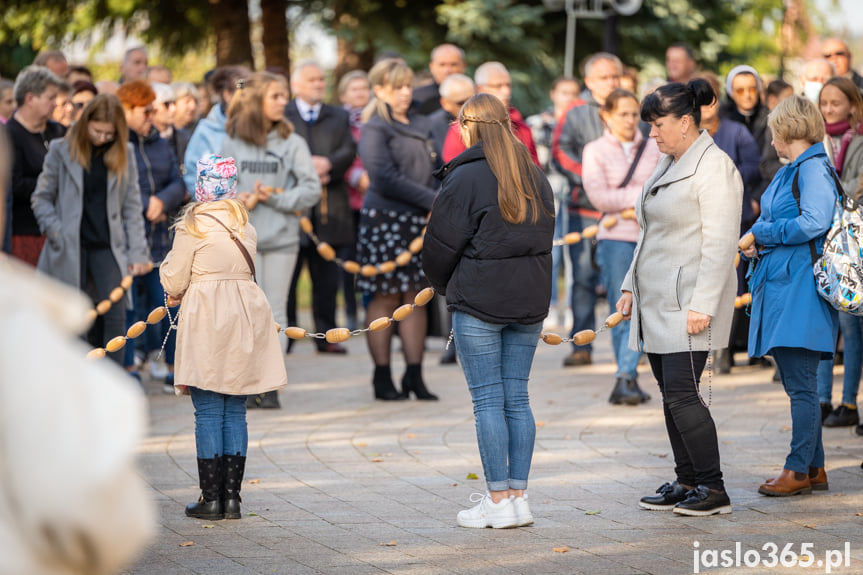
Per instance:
x=480, y=120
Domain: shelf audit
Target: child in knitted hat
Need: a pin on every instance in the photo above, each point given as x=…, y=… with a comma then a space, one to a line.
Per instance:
x=227, y=345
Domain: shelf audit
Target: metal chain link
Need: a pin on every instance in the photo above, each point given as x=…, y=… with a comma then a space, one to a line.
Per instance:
x=708, y=367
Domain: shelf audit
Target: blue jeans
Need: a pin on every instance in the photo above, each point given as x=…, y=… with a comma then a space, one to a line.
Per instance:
x=582, y=299
x=560, y=226
x=799, y=370
x=151, y=296
x=614, y=258
x=220, y=423
x=852, y=332
x=496, y=360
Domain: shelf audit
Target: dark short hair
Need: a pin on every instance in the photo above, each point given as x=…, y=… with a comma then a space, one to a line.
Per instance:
x=690, y=53
x=776, y=87
x=678, y=100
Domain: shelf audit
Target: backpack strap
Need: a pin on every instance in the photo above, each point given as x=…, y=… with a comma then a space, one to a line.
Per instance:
x=237, y=241
x=795, y=191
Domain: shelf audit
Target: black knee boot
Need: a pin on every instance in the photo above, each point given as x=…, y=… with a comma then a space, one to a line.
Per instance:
x=233, y=468
x=383, y=384
x=413, y=382
x=209, y=504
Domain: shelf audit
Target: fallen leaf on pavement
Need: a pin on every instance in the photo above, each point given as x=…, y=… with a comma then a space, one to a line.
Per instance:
x=377, y=459
x=207, y=526
x=390, y=544
x=563, y=549
x=811, y=526
x=594, y=512
x=785, y=428
x=471, y=476
x=411, y=435
x=252, y=514
x=361, y=444
x=456, y=485
x=860, y=515
x=187, y=543
x=254, y=481
x=540, y=424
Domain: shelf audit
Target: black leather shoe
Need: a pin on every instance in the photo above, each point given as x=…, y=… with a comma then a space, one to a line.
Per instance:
x=625, y=392
x=843, y=416
x=701, y=502
x=670, y=495
x=333, y=348
x=826, y=410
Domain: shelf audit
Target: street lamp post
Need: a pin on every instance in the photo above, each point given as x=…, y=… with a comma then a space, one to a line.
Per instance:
x=586, y=9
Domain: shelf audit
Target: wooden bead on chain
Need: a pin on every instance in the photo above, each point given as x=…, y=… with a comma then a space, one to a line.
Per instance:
x=424, y=296
x=403, y=312
x=338, y=335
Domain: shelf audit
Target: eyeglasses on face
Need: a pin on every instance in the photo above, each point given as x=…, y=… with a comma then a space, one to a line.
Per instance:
x=839, y=54
x=148, y=110
x=747, y=90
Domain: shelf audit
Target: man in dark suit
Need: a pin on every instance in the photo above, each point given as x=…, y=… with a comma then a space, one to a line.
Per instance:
x=445, y=59
x=327, y=131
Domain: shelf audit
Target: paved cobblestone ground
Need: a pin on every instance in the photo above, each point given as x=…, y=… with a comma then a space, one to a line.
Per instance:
x=339, y=483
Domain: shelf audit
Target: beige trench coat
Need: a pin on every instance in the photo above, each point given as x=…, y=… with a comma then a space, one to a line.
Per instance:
x=689, y=214
x=226, y=337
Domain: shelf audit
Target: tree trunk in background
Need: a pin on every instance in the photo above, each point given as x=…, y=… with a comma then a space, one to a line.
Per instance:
x=275, y=37
x=230, y=19
x=348, y=30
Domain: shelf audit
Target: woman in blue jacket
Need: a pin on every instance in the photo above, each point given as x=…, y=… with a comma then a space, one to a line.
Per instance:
x=789, y=320
x=492, y=223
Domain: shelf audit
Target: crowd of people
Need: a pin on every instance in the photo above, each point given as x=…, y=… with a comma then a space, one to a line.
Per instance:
x=106, y=176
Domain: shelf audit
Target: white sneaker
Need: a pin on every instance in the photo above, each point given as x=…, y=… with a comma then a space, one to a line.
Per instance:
x=522, y=510
x=487, y=513
x=158, y=370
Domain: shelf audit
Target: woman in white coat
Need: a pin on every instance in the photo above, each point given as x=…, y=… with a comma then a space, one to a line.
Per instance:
x=680, y=288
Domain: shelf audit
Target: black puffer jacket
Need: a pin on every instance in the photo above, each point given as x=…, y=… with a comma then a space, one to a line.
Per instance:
x=489, y=268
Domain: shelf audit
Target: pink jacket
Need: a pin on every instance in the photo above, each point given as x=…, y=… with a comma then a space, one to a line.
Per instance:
x=604, y=167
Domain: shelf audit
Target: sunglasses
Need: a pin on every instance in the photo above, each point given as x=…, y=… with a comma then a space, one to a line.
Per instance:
x=840, y=54
x=741, y=91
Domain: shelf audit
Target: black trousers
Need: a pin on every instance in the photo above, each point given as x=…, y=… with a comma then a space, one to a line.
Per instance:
x=325, y=285
x=99, y=275
x=690, y=426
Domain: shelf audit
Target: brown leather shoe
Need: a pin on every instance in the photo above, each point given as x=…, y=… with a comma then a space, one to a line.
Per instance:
x=818, y=479
x=787, y=484
x=576, y=358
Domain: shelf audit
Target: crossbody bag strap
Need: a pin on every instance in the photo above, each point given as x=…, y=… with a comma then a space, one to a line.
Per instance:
x=237, y=241
x=634, y=164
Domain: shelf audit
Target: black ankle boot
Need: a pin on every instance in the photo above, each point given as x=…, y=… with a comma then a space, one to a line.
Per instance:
x=413, y=382
x=624, y=392
x=209, y=504
x=383, y=384
x=643, y=395
x=233, y=468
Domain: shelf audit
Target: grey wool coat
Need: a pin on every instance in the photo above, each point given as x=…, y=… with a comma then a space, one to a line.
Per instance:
x=689, y=215
x=58, y=205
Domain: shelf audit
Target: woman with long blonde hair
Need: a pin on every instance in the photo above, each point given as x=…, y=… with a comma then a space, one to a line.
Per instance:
x=276, y=179
x=88, y=206
x=488, y=249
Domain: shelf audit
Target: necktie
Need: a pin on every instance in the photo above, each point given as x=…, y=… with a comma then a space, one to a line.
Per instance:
x=312, y=116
